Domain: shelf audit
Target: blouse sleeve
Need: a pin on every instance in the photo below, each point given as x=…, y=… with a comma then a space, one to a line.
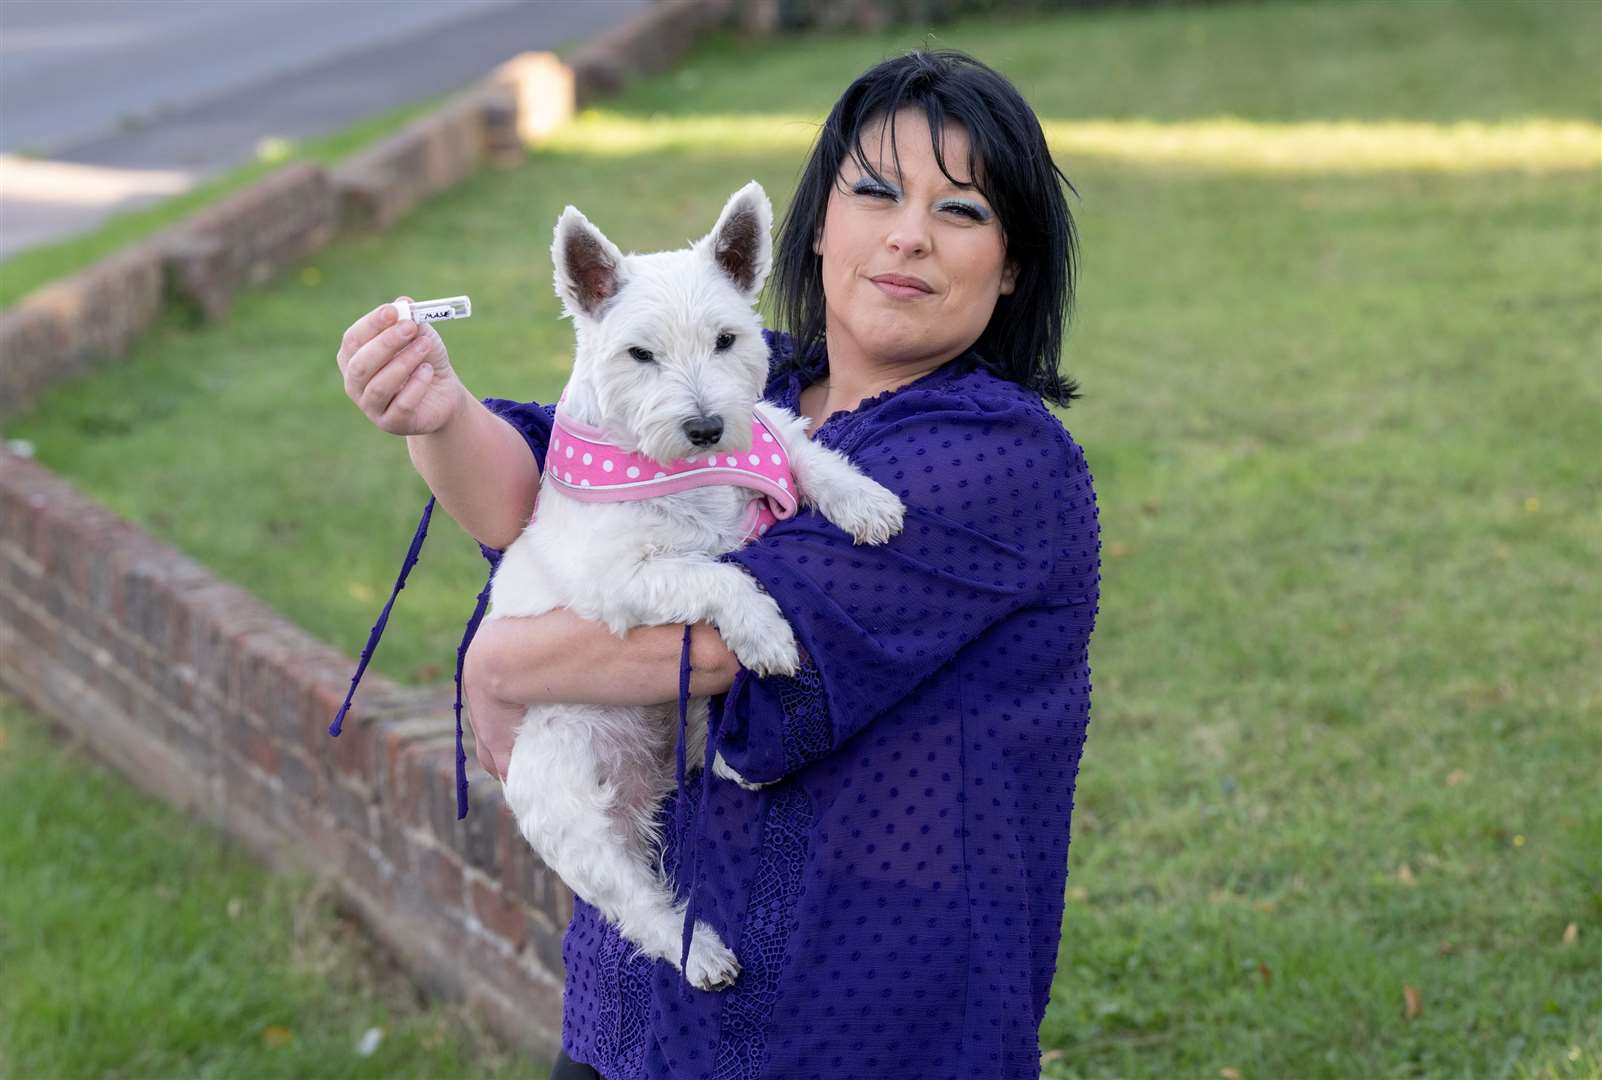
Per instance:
x=993, y=490
x=533, y=421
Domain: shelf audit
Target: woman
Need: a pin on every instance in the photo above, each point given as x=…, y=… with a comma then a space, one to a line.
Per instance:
x=895, y=893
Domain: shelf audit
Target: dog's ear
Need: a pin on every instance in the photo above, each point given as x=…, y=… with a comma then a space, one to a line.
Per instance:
x=740, y=244
x=588, y=265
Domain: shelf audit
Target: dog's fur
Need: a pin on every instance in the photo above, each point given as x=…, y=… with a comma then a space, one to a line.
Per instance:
x=586, y=781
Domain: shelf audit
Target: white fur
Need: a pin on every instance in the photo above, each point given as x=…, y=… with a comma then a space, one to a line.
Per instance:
x=586, y=781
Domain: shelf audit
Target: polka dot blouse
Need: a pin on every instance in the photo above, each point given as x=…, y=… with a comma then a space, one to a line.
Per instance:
x=895, y=897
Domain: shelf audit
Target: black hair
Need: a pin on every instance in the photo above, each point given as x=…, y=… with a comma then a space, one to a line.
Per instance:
x=1010, y=165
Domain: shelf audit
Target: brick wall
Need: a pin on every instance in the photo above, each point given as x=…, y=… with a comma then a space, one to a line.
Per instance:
x=208, y=698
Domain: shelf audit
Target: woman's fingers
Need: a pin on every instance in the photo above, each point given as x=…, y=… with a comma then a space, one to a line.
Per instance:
x=492, y=758
x=485, y=760
x=400, y=370
x=399, y=374
x=364, y=330
x=417, y=376
x=492, y=722
x=370, y=344
x=373, y=357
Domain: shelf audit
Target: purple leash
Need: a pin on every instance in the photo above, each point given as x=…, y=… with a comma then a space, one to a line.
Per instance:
x=461, y=652
x=688, y=866
x=383, y=616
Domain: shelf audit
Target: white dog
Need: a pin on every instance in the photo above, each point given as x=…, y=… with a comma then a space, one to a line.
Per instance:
x=670, y=368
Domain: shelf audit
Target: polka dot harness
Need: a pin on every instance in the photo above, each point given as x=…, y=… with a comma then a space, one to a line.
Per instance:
x=584, y=464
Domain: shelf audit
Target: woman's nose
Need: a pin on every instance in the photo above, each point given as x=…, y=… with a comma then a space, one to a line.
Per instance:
x=909, y=233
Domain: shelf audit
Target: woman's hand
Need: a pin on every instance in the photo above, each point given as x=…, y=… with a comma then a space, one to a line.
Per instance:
x=399, y=374
x=500, y=680
x=494, y=722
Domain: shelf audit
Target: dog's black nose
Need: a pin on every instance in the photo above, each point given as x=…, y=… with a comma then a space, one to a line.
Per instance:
x=704, y=430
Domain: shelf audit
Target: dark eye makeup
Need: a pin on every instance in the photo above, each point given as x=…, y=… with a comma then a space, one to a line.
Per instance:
x=869, y=187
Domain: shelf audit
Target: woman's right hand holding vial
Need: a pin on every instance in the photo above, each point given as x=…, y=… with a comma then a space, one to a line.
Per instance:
x=399, y=373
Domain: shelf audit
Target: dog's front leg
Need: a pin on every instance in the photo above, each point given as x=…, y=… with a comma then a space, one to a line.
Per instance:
x=826, y=479
x=697, y=588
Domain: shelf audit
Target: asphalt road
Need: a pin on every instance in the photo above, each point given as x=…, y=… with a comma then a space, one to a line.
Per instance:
x=131, y=101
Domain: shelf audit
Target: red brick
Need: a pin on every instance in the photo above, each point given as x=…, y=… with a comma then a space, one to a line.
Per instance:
x=558, y=899
x=441, y=876
x=422, y=769
x=506, y=919
x=220, y=615
x=14, y=573
x=87, y=564
x=547, y=946
x=365, y=866
x=149, y=595
x=487, y=818
x=349, y=807
x=298, y=776
x=52, y=534
x=392, y=839
x=129, y=655
x=521, y=872
x=258, y=748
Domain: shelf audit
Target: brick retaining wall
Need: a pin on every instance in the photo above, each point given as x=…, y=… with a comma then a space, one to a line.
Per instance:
x=208, y=698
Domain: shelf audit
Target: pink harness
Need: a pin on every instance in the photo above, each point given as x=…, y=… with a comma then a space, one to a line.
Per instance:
x=586, y=466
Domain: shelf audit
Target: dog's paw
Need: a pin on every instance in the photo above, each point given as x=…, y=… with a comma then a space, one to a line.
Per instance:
x=772, y=657
x=869, y=511
x=765, y=656
x=726, y=771
x=712, y=964
x=761, y=638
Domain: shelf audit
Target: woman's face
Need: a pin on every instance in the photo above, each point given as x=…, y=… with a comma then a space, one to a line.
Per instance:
x=945, y=236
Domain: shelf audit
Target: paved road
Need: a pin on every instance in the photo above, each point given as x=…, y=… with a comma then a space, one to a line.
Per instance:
x=135, y=100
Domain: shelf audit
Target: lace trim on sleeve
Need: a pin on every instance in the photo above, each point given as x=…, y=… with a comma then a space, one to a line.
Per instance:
x=806, y=731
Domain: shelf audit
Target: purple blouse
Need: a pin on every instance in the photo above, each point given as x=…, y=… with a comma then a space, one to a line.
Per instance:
x=895, y=898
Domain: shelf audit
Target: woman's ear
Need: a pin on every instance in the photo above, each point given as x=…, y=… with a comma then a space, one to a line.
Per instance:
x=1009, y=277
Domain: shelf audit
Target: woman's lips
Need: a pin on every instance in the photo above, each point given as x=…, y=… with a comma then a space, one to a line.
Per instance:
x=900, y=287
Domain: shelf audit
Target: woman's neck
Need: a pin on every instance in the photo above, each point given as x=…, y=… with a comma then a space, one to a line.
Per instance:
x=851, y=380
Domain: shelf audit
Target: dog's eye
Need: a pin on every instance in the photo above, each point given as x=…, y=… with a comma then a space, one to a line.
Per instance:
x=644, y=356
x=725, y=342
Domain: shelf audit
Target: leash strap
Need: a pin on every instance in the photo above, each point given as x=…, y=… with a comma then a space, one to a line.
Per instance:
x=383, y=617
x=377, y=632
x=690, y=850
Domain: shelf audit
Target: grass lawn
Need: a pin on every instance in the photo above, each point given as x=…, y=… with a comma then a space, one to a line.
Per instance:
x=135, y=943
x=1337, y=812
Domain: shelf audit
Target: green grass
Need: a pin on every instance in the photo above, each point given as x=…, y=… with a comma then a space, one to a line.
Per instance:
x=137, y=943
x=27, y=270
x=1346, y=436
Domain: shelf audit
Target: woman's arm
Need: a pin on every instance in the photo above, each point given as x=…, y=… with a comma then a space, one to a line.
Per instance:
x=477, y=464
x=1000, y=516
x=563, y=657
x=491, y=504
